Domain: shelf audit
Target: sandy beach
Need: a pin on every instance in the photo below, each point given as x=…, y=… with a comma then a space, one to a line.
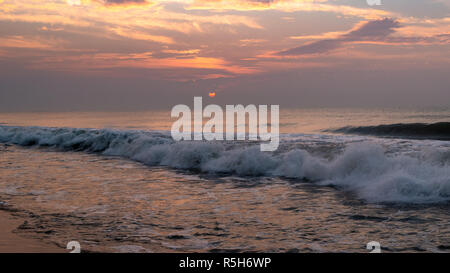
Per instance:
x=11, y=242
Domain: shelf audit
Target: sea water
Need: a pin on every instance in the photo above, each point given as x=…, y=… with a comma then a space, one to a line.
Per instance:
x=118, y=182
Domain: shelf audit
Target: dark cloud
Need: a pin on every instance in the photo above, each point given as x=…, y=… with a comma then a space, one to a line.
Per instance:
x=321, y=46
x=376, y=30
x=373, y=30
x=123, y=2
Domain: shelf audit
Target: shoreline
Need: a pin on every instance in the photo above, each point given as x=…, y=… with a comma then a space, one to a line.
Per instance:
x=11, y=242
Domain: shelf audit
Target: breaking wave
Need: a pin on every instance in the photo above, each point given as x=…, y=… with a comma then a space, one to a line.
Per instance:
x=439, y=131
x=363, y=168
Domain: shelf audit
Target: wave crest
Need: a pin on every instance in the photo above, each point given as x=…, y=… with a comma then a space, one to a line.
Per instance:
x=364, y=168
x=439, y=131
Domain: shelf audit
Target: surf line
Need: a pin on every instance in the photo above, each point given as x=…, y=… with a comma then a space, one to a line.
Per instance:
x=235, y=123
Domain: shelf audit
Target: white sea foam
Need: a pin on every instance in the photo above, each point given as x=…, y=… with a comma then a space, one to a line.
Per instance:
x=419, y=175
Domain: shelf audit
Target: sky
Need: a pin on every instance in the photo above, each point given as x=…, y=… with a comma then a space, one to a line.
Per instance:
x=125, y=55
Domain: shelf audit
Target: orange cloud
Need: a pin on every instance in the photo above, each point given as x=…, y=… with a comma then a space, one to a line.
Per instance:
x=288, y=6
x=124, y=2
x=138, y=35
x=18, y=41
x=108, y=61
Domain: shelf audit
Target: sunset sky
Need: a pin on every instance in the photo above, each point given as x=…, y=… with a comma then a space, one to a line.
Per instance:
x=137, y=54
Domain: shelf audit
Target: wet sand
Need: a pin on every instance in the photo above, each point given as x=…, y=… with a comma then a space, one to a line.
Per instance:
x=11, y=242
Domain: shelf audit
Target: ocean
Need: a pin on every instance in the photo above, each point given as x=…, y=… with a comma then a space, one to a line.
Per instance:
x=117, y=182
